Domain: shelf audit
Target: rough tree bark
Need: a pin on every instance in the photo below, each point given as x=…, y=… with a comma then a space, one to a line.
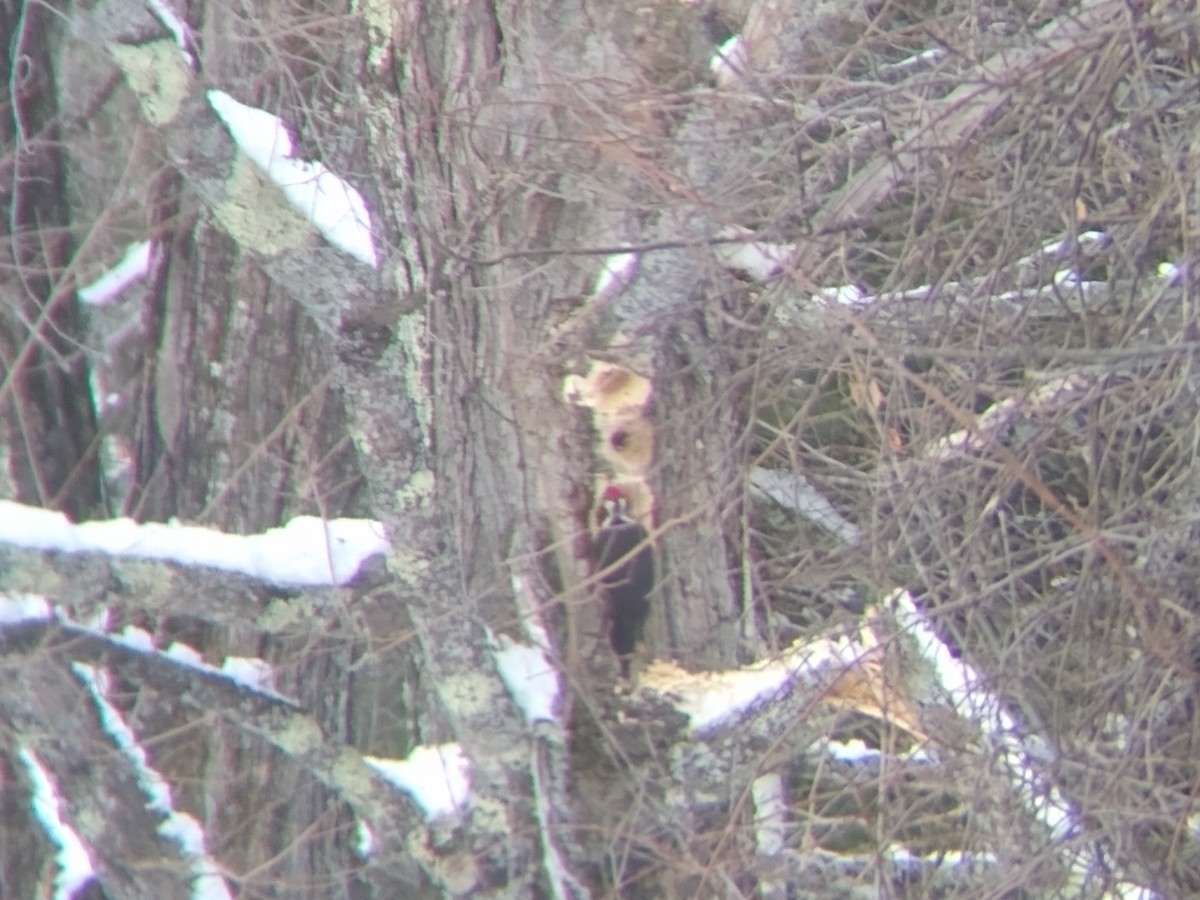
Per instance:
x=254, y=352
x=505, y=150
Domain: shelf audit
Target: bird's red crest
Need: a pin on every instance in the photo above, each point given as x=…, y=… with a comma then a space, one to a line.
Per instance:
x=614, y=506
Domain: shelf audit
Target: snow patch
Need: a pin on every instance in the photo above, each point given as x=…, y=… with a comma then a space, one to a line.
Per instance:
x=770, y=813
x=438, y=778
x=729, y=62
x=793, y=491
x=1018, y=753
x=616, y=273
x=179, y=827
x=74, y=863
x=112, y=284
x=305, y=551
x=332, y=205
x=710, y=698
x=364, y=840
x=178, y=28
x=24, y=608
x=530, y=677
x=257, y=674
x=758, y=260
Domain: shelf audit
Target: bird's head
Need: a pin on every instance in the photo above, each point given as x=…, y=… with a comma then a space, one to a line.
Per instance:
x=614, y=506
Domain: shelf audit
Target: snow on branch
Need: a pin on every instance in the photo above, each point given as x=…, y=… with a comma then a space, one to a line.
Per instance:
x=185, y=830
x=529, y=676
x=184, y=39
x=179, y=668
x=729, y=63
x=759, y=260
x=533, y=681
x=109, y=286
x=616, y=272
x=1043, y=282
x=1022, y=756
x=306, y=551
x=75, y=869
x=846, y=669
x=526, y=669
x=997, y=419
x=954, y=118
x=793, y=491
x=438, y=778
x=253, y=673
x=770, y=827
x=329, y=203
x=15, y=610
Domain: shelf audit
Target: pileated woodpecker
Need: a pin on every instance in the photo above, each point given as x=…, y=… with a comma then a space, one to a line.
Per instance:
x=625, y=563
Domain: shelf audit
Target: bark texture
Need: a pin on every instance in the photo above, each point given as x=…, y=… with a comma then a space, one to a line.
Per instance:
x=505, y=150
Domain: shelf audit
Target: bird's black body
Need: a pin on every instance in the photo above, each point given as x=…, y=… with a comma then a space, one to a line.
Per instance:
x=625, y=562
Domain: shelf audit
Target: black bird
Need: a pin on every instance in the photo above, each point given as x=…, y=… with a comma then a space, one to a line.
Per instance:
x=625, y=562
